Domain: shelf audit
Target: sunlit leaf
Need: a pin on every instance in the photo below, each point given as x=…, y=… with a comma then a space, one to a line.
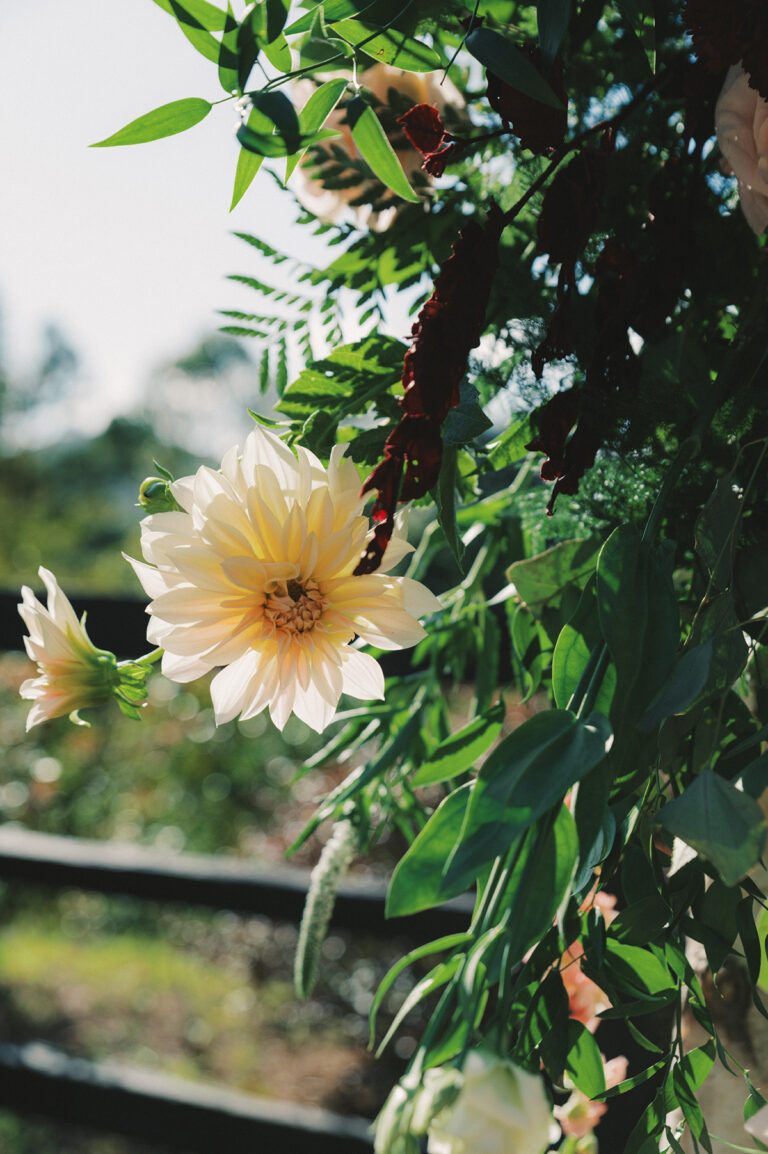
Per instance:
x=167, y=120
x=376, y=150
x=389, y=46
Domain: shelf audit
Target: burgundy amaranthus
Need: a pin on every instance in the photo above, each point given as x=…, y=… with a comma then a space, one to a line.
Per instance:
x=448, y=326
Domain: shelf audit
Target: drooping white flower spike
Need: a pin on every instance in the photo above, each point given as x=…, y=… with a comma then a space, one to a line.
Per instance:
x=255, y=575
x=72, y=672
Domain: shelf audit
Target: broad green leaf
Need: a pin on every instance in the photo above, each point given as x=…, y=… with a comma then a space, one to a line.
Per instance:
x=540, y=881
x=524, y=777
x=584, y=1062
x=541, y=580
x=573, y=652
x=250, y=36
x=639, y=621
x=376, y=150
x=276, y=15
x=718, y=623
x=388, y=46
x=753, y=947
x=501, y=57
x=315, y=113
x=445, y=499
x=553, y=18
x=229, y=59
x=460, y=751
x=720, y=822
x=641, y=922
x=682, y=687
x=332, y=10
x=463, y=423
x=273, y=127
x=637, y=970
x=510, y=447
x=416, y=882
x=195, y=13
x=279, y=54
x=166, y=120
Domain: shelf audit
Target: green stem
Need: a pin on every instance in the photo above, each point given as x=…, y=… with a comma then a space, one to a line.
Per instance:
x=148, y=659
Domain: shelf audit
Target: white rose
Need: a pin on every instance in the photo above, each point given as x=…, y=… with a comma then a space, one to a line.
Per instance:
x=741, y=123
x=499, y=1109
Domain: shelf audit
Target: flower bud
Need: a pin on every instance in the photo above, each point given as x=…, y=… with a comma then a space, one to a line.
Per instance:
x=155, y=496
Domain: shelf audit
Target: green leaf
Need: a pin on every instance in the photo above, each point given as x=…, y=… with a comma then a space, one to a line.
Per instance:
x=416, y=882
x=463, y=423
x=717, y=529
x=333, y=10
x=376, y=150
x=195, y=13
x=540, y=881
x=524, y=777
x=273, y=127
x=641, y=922
x=166, y=120
x=276, y=15
x=279, y=54
x=389, y=46
x=553, y=19
x=720, y=822
x=250, y=35
x=573, y=652
x=584, y=1062
x=638, y=971
x=438, y=946
x=460, y=751
x=541, y=580
x=501, y=57
x=510, y=447
x=445, y=499
x=248, y=164
x=229, y=62
x=640, y=16
x=639, y=621
x=348, y=381
x=315, y=113
x=682, y=687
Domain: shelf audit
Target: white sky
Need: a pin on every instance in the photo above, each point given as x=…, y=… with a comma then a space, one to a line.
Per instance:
x=125, y=249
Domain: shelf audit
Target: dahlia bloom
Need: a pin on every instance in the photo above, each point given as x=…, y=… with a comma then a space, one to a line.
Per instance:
x=741, y=123
x=72, y=672
x=255, y=575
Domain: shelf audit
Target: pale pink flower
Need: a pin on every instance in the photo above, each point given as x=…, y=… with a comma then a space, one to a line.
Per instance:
x=741, y=123
x=579, y=1115
x=72, y=672
x=255, y=575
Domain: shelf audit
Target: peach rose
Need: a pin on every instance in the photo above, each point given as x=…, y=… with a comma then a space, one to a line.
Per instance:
x=741, y=123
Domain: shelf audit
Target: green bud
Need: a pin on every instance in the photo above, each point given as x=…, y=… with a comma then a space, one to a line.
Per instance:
x=155, y=496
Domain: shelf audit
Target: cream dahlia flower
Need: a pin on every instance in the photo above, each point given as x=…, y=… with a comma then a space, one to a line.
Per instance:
x=255, y=574
x=73, y=673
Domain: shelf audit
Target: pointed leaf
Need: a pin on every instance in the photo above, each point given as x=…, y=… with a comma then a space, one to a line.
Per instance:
x=376, y=150
x=229, y=55
x=166, y=120
x=315, y=113
x=682, y=687
x=195, y=13
x=502, y=58
x=416, y=882
x=460, y=751
x=553, y=18
x=389, y=46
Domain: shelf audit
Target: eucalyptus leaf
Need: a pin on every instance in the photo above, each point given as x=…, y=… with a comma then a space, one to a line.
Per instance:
x=167, y=120
x=682, y=687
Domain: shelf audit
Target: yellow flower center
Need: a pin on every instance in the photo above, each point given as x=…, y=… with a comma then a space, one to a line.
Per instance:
x=294, y=606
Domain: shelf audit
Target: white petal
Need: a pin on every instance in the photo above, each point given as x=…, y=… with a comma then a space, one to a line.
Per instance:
x=417, y=599
x=361, y=675
x=183, y=669
x=230, y=687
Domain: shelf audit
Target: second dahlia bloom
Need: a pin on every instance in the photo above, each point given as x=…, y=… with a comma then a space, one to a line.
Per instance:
x=72, y=673
x=255, y=575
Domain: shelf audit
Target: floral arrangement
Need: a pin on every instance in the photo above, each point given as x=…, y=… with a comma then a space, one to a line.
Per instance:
x=577, y=425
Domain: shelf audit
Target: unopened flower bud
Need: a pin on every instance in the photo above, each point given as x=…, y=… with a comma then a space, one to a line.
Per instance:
x=155, y=496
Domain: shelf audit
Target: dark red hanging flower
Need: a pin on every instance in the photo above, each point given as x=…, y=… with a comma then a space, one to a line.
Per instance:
x=566, y=459
x=449, y=325
x=427, y=133
x=539, y=127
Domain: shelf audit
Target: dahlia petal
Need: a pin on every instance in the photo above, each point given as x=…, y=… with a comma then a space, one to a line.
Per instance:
x=362, y=676
x=230, y=687
x=281, y=705
x=182, y=491
x=183, y=669
x=311, y=707
x=417, y=599
x=154, y=581
x=390, y=629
